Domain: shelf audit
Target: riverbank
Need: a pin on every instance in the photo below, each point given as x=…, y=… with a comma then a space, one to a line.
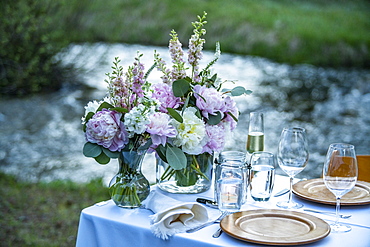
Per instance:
x=331, y=104
x=323, y=33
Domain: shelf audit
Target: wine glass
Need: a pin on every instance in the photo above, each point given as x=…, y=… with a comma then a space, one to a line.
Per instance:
x=292, y=158
x=340, y=176
x=255, y=140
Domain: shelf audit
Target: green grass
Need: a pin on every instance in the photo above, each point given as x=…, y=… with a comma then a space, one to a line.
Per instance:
x=329, y=33
x=44, y=214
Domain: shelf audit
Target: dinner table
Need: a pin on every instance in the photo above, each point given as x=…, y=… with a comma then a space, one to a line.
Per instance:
x=105, y=224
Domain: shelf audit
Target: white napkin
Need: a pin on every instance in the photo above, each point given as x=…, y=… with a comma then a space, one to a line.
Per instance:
x=172, y=216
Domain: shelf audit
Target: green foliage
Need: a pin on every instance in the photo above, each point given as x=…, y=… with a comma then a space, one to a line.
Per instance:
x=214, y=119
x=237, y=91
x=180, y=87
x=27, y=48
x=175, y=157
x=44, y=214
x=91, y=150
x=328, y=33
x=175, y=115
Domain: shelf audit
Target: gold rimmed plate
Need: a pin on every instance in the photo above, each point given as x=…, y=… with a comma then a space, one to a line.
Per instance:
x=316, y=191
x=275, y=227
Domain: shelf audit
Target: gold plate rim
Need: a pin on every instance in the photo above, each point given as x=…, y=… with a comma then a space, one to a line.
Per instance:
x=319, y=229
x=301, y=189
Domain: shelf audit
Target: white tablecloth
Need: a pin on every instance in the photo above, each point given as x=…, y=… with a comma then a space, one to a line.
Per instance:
x=109, y=225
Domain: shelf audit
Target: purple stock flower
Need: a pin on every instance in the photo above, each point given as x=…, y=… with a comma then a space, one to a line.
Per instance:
x=137, y=80
x=177, y=55
x=195, y=54
x=106, y=129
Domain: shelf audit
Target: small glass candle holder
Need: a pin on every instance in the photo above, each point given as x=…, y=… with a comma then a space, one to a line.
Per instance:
x=238, y=158
x=229, y=186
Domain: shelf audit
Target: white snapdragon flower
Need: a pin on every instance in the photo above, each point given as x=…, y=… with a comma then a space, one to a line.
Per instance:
x=137, y=119
x=191, y=132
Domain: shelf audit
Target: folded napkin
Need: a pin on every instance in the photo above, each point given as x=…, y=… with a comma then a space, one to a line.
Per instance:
x=172, y=216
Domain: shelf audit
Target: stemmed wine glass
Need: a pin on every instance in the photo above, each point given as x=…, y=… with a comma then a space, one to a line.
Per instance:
x=340, y=176
x=292, y=158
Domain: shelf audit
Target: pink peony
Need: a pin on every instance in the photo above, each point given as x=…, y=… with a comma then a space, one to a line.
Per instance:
x=215, y=138
x=160, y=129
x=163, y=93
x=106, y=129
x=209, y=100
x=231, y=107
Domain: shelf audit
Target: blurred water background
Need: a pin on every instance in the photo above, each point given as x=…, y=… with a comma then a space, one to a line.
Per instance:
x=42, y=139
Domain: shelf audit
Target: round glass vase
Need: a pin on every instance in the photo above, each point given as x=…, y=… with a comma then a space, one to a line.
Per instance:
x=128, y=188
x=196, y=177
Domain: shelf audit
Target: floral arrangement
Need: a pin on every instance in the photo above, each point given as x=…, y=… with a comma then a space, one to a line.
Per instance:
x=183, y=115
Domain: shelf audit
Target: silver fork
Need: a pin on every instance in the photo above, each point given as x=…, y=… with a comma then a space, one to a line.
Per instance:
x=217, y=233
x=218, y=220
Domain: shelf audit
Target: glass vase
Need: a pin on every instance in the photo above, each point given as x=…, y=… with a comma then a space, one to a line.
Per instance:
x=196, y=177
x=128, y=188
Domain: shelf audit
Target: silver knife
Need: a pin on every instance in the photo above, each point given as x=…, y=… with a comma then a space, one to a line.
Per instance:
x=207, y=202
x=282, y=192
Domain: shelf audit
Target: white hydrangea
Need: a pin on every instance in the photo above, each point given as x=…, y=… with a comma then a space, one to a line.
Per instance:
x=191, y=132
x=137, y=119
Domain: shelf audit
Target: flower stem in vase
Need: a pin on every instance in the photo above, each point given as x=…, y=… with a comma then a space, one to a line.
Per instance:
x=193, y=178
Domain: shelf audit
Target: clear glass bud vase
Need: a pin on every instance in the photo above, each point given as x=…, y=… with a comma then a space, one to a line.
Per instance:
x=128, y=188
x=196, y=177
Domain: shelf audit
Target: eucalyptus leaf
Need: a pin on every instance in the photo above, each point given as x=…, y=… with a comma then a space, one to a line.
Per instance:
x=91, y=150
x=161, y=151
x=239, y=90
x=176, y=158
x=110, y=154
x=214, y=119
x=180, y=87
x=174, y=114
x=248, y=92
x=102, y=159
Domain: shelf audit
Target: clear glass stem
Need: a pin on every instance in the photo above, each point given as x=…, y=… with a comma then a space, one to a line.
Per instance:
x=290, y=190
x=337, y=209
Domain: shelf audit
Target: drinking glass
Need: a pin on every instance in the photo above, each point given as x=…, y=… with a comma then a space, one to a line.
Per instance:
x=340, y=176
x=262, y=175
x=255, y=140
x=292, y=157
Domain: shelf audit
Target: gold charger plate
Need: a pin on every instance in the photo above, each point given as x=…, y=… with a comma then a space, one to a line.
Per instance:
x=275, y=227
x=316, y=191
